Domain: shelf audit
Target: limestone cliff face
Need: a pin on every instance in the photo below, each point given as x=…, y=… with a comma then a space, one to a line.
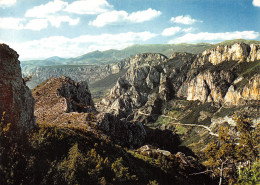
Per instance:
x=254, y=54
x=207, y=86
x=221, y=87
x=238, y=52
x=15, y=97
x=223, y=75
x=250, y=91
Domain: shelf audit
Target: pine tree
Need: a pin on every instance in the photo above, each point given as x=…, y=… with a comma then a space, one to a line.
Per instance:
x=225, y=156
x=72, y=167
x=248, y=140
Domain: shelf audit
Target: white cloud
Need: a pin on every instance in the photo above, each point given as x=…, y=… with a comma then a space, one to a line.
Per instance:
x=145, y=15
x=57, y=20
x=50, y=12
x=184, y=19
x=36, y=24
x=20, y=24
x=11, y=23
x=174, y=30
x=4, y=3
x=72, y=47
x=205, y=36
x=89, y=7
x=109, y=18
x=256, y=3
x=108, y=39
x=115, y=17
x=188, y=29
x=45, y=10
x=171, y=31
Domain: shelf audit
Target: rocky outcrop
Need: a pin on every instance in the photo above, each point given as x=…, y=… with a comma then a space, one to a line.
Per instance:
x=240, y=52
x=188, y=162
x=57, y=96
x=123, y=132
x=16, y=101
x=151, y=150
x=254, y=54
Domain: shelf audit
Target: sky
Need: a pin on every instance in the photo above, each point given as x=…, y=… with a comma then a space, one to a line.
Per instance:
x=39, y=29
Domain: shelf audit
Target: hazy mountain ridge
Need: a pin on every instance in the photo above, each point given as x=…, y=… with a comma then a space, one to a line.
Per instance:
x=111, y=56
x=108, y=56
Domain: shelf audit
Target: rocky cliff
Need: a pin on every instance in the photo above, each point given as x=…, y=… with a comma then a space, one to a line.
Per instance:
x=122, y=131
x=16, y=101
x=224, y=76
x=240, y=52
x=194, y=88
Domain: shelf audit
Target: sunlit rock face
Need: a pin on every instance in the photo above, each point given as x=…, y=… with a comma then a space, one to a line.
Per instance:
x=208, y=86
x=250, y=91
x=226, y=82
x=238, y=52
x=16, y=101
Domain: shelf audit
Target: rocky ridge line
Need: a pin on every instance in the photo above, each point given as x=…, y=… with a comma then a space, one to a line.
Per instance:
x=240, y=52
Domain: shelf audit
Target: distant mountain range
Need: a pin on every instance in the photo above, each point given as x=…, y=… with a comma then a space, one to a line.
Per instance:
x=111, y=56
